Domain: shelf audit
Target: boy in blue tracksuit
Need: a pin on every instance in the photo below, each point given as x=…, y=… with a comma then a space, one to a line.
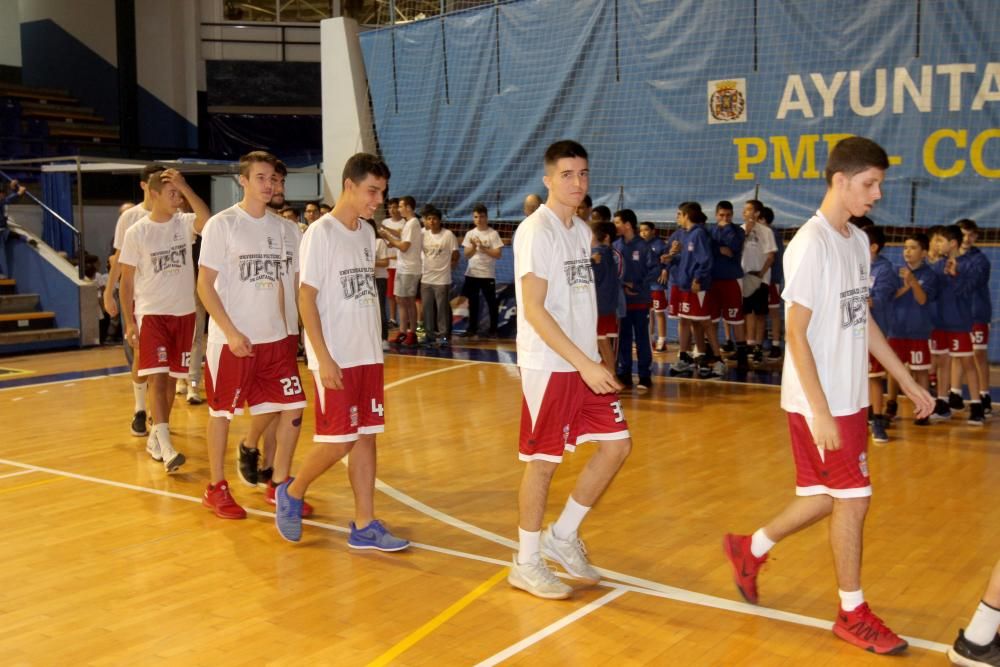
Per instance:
x=694, y=279
x=883, y=283
x=726, y=292
x=640, y=268
x=956, y=280
x=982, y=308
x=911, y=323
x=608, y=287
x=657, y=293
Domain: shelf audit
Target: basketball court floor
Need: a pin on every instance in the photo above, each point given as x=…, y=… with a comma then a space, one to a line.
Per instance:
x=106, y=560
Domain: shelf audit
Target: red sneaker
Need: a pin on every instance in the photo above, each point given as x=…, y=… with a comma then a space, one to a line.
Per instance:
x=307, y=509
x=866, y=630
x=219, y=500
x=745, y=564
x=398, y=340
x=411, y=339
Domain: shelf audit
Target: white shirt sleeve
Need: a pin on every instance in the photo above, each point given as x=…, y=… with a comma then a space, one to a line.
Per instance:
x=311, y=252
x=410, y=231
x=767, y=236
x=467, y=241
x=189, y=219
x=130, y=247
x=532, y=251
x=381, y=249
x=804, y=279
x=213, y=245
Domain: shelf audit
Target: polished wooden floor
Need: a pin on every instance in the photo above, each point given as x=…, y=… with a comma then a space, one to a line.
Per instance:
x=106, y=561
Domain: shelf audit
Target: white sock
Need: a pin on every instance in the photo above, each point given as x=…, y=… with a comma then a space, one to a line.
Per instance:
x=984, y=394
x=760, y=543
x=139, y=393
x=851, y=600
x=984, y=625
x=569, y=521
x=529, y=546
x=162, y=432
x=956, y=390
x=661, y=339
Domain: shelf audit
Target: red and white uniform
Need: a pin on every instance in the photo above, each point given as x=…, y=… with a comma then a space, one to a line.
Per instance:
x=256, y=261
x=914, y=353
x=727, y=301
x=828, y=273
x=160, y=252
x=696, y=305
x=980, y=336
x=340, y=264
x=558, y=410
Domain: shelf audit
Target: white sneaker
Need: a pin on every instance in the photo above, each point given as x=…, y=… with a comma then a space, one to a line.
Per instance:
x=385, y=346
x=153, y=447
x=536, y=578
x=172, y=459
x=182, y=387
x=193, y=397
x=571, y=554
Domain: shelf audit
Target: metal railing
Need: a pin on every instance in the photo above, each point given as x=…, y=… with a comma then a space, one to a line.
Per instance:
x=282, y=29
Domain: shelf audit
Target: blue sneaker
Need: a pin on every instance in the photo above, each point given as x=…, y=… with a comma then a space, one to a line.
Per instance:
x=879, y=433
x=375, y=536
x=288, y=515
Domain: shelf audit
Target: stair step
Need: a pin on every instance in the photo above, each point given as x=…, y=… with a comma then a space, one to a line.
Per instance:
x=38, y=336
x=24, y=321
x=18, y=303
x=90, y=130
x=8, y=286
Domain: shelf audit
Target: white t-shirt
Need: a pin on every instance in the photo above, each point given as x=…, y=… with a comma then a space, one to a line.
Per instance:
x=828, y=274
x=396, y=226
x=340, y=264
x=543, y=246
x=411, y=261
x=250, y=255
x=756, y=246
x=438, y=249
x=382, y=252
x=293, y=233
x=125, y=221
x=482, y=265
x=164, y=269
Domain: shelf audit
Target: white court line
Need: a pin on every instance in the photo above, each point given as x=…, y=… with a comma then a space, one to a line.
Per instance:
x=533, y=639
x=15, y=474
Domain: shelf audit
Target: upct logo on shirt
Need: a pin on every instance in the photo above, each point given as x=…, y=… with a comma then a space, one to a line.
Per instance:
x=169, y=260
x=578, y=273
x=359, y=284
x=261, y=270
x=854, y=309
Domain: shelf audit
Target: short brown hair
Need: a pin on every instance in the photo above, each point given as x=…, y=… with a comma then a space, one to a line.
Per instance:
x=247, y=161
x=854, y=155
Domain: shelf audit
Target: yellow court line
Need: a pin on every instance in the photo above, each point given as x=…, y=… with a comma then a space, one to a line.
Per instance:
x=439, y=620
x=6, y=372
x=31, y=484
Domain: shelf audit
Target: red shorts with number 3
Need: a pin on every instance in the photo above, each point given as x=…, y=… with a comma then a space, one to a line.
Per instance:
x=267, y=381
x=659, y=299
x=959, y=343
x=914, y=353
x=559, y=412
x=357, y=409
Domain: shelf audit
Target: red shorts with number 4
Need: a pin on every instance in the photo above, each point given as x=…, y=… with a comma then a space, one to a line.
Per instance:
x=875, y=369
x=607, y=326
x=980, y=336
x=659, y=299
x=165, y=344
x=344, y=414
x=267, y=381
x=559, y=412
x=696, y=305
x=840, y=473
x=914, y=353
x=727, y=301
x=674, y=304
x=939, y=342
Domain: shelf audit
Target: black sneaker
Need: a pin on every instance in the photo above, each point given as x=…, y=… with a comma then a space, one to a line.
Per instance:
x=891, y=410
x=729, y=346
x=924, y=421
x=625, y=380
x=645, y=382
x=264, y=476
x=758, y=354
x=964, y=652
x=139, y=424
x=941, y=411
x=955, y=401
x=246, y=467
x=775, y=352
x=976, y=417
x=987, y=402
